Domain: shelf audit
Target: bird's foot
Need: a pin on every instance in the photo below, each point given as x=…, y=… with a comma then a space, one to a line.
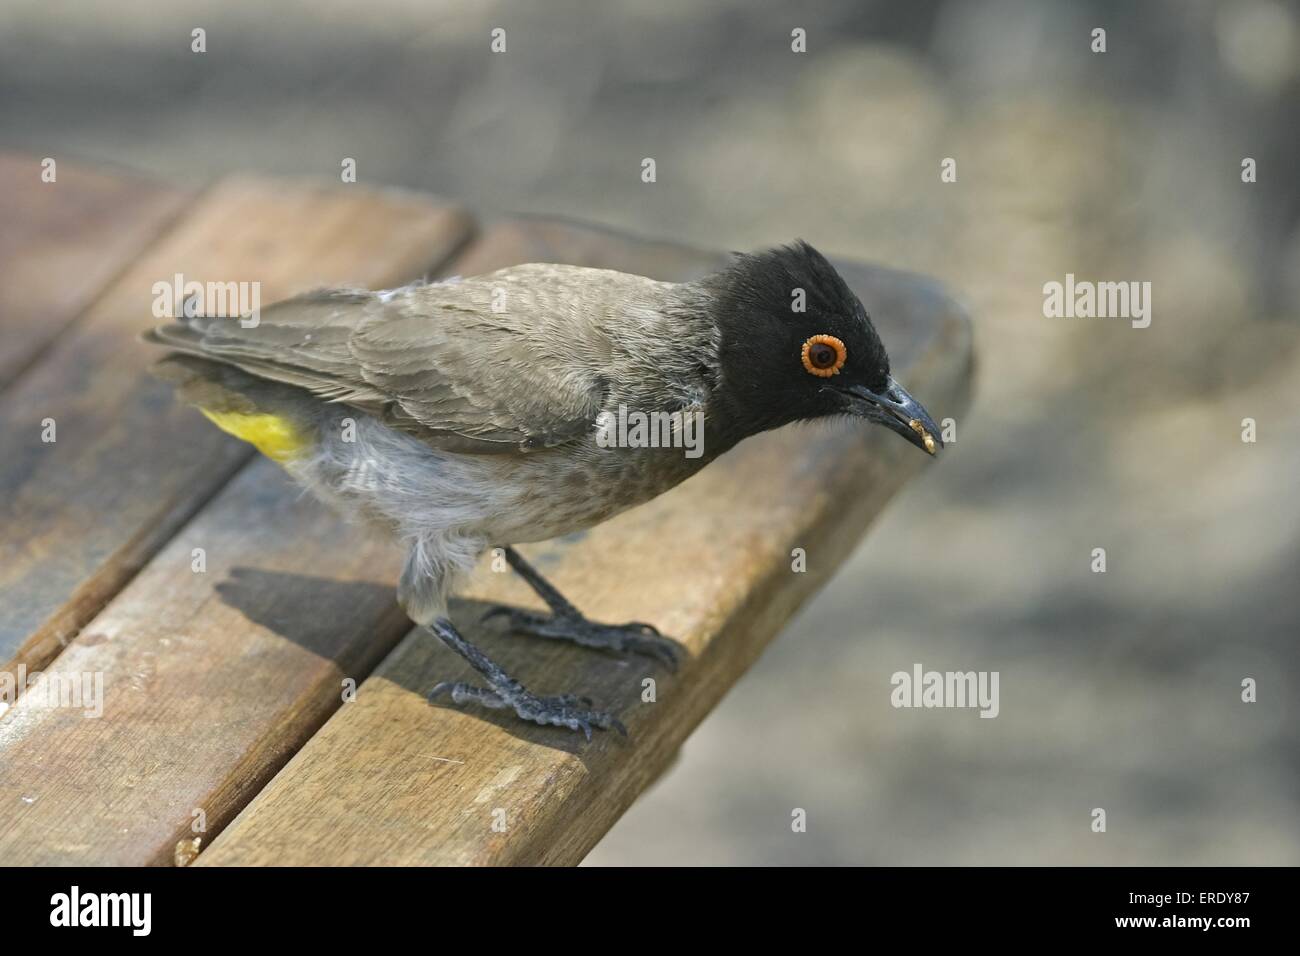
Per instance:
x=631, y=638
x=562, y=710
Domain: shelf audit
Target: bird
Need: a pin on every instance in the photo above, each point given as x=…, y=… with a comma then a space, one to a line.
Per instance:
x=471, y=413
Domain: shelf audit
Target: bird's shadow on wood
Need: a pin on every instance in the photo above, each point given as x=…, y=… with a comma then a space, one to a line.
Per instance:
x=324, y=616
x=321, y=615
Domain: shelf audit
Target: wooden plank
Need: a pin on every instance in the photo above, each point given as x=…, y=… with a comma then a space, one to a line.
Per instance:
x=81, y=515
x=211, y=680
x=63, y=241
x=391, y=779
x=530, y=239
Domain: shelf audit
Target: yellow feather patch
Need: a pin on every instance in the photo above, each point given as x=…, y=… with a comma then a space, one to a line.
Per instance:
x=273, y=436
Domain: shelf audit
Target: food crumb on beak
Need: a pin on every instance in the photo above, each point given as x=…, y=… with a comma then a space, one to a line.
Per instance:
x=926, y=437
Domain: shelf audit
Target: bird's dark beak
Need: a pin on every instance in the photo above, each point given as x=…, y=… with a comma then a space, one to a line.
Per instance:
x=898, y=411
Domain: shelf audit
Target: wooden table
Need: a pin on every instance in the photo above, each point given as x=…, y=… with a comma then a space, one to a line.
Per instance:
x=228, y=617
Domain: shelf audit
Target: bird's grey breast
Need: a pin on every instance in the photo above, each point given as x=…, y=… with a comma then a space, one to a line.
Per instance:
x=558, y=491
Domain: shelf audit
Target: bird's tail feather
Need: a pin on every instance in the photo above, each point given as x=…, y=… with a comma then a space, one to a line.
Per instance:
x=279, y=420
x=301, y=341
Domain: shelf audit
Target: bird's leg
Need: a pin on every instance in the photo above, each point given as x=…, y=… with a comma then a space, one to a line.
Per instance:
x=567, y=623
x=564, y=710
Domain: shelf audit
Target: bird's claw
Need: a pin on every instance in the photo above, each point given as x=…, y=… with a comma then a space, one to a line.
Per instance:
x=561, y=710
x=635, y=637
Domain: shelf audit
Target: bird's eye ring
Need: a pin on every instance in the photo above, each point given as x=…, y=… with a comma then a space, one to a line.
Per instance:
x=824, y=356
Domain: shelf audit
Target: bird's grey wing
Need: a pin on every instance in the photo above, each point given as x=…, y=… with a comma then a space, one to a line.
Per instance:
x=434, y=361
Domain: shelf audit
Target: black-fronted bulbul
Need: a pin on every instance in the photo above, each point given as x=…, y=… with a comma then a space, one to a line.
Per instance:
x=471, y=413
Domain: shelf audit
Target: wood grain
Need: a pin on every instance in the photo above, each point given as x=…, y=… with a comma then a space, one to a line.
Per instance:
x=63, y=242
x=210, y=681
x=79, y=516
x=392, y=779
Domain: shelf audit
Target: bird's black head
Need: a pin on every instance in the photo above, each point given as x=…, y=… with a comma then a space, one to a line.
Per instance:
x=797, y=344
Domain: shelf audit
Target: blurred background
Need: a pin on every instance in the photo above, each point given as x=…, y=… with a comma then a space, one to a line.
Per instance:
x=1119, y=690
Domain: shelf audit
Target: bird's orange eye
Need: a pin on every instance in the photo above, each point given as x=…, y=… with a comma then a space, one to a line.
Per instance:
x=824, y=355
